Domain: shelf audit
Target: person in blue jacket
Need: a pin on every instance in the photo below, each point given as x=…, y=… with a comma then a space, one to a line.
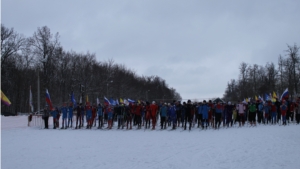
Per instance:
x=204, y=111
x=163, y=116
x=70, y=115
x=64, y=111
x=218, y=115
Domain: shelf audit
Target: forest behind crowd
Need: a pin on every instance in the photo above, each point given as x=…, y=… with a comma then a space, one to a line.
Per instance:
x=259, y=80
x=24, y=60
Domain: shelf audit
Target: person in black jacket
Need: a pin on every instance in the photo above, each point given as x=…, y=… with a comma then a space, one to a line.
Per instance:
x=46, y=117
x=188, y=115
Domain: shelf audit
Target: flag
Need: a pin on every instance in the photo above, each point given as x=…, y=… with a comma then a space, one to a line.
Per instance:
x=30, y=100
x=121, y=100
x=131, y=101
x=274, y=95
x=260, y=98
x=267, y=97
x=48, y=99
x=117, y=102
x=4, y=99
x=106, y=101
x=285, y=94
x=98, y=101
x=139, y=101
x=80, y=100
x=126, y=102
x=112, y=102
x=87, y=98
x=256, y=98
x=247, y=100
x=73, y=99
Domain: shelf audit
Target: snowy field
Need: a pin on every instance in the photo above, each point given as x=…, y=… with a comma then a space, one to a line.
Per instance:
x=23, y=147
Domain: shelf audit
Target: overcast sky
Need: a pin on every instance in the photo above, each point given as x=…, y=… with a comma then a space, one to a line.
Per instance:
x=196, y=46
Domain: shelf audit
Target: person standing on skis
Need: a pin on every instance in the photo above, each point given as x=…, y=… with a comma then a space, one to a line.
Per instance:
x=64, y=111
x=153, y=110
x=70, y=115
x=188, y=115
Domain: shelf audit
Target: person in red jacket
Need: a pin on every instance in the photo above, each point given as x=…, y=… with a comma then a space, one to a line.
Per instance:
x=153, y=110
x=290, y=113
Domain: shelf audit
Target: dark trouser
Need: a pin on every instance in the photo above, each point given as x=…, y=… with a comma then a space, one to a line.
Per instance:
x=298, y=118
x=105, y=118
x=78, y=118
x=259, y=116
x=199, y=119
x=70, y=120
x=266, y=119
x=100, y=121
x=64, y=122
x=273, y=114
x=252, y=116
x=178, y=115
x=204, y=121
x=135, y=120
x=241, y=119
x=82, y=120
x=138, y=120
x=229, y=119
x=283, y=119
x=188, y=119
x=218, y=120
x=46, y=122
x=129, y=121
x=54, y=122
x=290, y=115
x=163, y=123
x=278, y=116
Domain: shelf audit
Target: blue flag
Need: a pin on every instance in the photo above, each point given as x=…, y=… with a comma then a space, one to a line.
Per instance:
x=73, y=99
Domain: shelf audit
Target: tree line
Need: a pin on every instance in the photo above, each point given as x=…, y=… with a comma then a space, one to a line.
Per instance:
x=24, y=60
x=255, y=80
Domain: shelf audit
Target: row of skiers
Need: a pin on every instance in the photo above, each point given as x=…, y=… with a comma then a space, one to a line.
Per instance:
x=175, y=114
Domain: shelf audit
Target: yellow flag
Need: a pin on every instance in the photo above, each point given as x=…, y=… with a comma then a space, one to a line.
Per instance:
x=121, y=100
x=247, y=100
x=87, y=98
x=274, y=95
x=139, y=101
x=256, y=97
x=4, y=99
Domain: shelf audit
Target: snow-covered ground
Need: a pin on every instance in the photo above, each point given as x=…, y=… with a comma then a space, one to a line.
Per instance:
x=256, y=147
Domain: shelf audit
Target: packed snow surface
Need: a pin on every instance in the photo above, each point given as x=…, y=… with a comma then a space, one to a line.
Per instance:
x=264, y=146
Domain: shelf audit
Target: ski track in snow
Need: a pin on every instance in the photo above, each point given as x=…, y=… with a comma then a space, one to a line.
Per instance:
x=264, y=146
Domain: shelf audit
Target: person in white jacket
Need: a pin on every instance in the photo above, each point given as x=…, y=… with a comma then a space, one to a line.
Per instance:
x=241, y=113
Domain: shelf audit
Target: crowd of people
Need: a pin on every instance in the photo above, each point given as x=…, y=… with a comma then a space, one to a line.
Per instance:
x=174, y=115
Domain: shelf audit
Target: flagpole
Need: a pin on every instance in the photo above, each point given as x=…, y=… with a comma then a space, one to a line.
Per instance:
x=38, y=92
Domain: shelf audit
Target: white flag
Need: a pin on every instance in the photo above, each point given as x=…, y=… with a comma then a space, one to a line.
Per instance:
x=30, y=100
